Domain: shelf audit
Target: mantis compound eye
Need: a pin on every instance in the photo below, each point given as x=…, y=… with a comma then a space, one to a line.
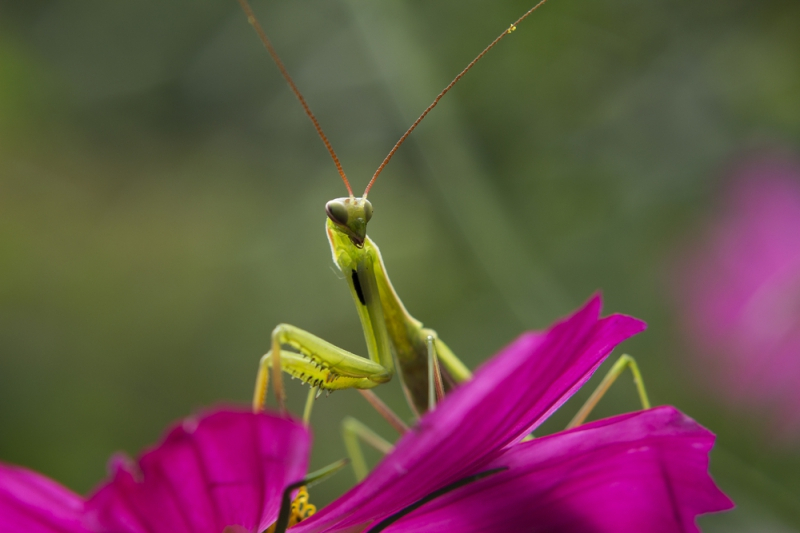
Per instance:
x=337, y=212
x=367, y=210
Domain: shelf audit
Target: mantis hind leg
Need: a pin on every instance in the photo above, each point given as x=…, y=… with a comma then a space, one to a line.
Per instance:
x=316, y=362
x=625, y=361
x=458, y=370
x=354, y=431
x=428, y=368
x=435, y=384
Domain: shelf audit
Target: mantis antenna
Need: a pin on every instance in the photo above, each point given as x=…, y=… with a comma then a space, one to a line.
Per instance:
x=446, y=90
x=251, y=18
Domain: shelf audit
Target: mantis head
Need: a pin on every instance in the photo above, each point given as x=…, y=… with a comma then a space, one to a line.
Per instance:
x=350, y=215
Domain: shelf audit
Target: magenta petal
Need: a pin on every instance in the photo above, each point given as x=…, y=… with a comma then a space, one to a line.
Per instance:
x=225, y=469
x=740, y=292
x=508, y=397
x=645, y=471
x=31, y=503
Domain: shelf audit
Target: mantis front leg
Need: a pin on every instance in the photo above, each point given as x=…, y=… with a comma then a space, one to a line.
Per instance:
x=316, y=362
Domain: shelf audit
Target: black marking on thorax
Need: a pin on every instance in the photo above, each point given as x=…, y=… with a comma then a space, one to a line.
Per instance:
x=359, y=291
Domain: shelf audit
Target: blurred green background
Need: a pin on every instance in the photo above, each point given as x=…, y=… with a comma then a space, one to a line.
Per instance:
x=162, y=193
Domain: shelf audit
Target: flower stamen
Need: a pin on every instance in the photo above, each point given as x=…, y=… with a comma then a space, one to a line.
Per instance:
x=299, y=511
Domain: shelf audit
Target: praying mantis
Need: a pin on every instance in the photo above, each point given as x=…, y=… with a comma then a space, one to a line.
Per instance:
x=391, y=333
x=396, y=341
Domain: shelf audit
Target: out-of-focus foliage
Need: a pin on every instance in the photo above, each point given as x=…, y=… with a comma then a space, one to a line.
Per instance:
x=162, y=193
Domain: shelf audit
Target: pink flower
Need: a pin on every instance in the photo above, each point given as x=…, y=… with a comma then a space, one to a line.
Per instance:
x=644, y=471
x=228, y=468
x=741, y=293
x=32, y=503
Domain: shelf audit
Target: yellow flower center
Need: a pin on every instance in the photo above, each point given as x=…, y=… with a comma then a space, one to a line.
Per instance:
x=300, y=510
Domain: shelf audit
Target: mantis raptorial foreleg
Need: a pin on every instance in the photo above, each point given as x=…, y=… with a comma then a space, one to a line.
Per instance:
x=625, y=361
x=317, y=362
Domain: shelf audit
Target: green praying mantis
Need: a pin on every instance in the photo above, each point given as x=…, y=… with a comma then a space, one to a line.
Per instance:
x=427, y=366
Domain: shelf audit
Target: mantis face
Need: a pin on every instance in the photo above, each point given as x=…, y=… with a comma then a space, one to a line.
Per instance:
x=350, y=216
